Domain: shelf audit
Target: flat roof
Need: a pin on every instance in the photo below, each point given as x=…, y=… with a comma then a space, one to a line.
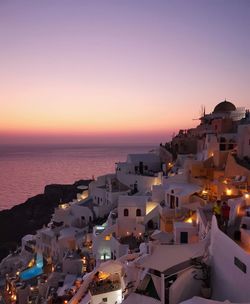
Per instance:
x=143, y=157
x=182, y=188
x=138, y=298
x=164, y=257
x=199, y=300
x=132, y=200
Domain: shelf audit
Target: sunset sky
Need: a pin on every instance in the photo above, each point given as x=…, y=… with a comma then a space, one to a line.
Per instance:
x=118, y=71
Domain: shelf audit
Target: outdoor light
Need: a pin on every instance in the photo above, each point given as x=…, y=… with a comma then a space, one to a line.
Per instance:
x=189, y=220
x=13, y=297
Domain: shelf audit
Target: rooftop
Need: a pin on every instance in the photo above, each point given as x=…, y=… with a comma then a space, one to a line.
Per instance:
x=143, y=157
x=164, y=257
x=138, y=298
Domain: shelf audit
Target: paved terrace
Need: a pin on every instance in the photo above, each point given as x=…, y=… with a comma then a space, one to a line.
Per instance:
x=99, y=286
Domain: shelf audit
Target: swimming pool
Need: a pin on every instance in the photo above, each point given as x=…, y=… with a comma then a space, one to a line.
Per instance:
x=34, y=271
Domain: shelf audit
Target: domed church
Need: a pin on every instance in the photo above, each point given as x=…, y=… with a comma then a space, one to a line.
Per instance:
x=224, y=107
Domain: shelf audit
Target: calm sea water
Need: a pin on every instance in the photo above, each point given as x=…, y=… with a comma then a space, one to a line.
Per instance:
x=25, y=170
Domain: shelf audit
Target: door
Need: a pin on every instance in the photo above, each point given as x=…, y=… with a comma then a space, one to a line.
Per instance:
x=172, y=201
x=184, y=237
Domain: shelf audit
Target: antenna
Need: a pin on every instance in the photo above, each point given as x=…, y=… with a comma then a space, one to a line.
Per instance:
x=202, y=112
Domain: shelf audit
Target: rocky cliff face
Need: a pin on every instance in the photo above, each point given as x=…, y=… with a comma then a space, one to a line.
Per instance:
x=26, y=218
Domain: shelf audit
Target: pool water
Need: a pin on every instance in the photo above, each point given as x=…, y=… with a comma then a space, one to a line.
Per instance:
x=34, y=271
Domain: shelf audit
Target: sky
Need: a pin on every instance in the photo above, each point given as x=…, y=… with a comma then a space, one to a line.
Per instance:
x=118, y=71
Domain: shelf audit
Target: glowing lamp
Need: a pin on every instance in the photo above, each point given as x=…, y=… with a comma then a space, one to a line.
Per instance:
x=229, y=191
x=189, y=220
x=13, y=297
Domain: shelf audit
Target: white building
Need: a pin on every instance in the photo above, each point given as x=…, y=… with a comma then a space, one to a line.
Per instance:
x=230, y=264
x=105, y=192
x=168, y=272
x=140, y=172
x=104, y=285
x=243, y=140
x=134, y=213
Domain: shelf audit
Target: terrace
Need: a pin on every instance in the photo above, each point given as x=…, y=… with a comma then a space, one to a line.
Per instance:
x=239, y=228
x=132, y=241
x=104, y=282
x=116, y=186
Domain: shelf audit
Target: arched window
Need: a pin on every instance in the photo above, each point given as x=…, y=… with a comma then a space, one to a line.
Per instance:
x=138, y=212
x=125, y=212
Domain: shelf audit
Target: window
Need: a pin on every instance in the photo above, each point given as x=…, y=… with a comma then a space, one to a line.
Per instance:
x=125, y=212
x=177, y=202
x=240, y=265
x=172, y=200
x=138, y=212
x=184, y=237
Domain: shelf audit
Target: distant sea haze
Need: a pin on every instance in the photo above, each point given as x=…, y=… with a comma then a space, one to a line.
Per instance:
x=26, y=170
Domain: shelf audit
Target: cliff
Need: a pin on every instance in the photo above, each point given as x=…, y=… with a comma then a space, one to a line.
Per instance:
x=26, y=218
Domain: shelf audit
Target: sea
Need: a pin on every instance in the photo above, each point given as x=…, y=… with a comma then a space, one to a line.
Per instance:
x=26, y=169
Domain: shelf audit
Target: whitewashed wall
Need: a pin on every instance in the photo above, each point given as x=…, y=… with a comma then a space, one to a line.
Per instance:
x=228, y=281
